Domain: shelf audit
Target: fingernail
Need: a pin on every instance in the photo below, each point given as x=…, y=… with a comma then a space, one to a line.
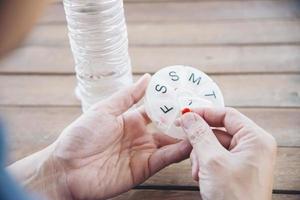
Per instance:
x=185, y=110
x=146, y=76
x=185, y=145
x=143, y=78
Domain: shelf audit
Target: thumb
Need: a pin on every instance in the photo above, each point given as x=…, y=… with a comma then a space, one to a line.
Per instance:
x=122, y=100
x=205, y=144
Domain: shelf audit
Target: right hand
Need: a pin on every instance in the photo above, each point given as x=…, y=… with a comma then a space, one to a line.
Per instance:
x=245, y=169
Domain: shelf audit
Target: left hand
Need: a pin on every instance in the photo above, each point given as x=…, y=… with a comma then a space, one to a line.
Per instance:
x=108, y=150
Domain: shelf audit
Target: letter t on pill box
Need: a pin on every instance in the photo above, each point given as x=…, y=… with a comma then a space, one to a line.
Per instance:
x=176, y=88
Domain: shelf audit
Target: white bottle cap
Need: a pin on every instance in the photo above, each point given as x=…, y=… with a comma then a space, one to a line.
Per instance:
x=174, y=88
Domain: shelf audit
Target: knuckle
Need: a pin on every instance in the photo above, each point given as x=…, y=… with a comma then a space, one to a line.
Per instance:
x=265, y=141
x=232, y=111
x=199, y=131
x=270, y=143
x=163, y=160
x=218, y=161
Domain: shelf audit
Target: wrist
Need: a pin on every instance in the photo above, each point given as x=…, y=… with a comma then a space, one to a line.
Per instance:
x=42, y=173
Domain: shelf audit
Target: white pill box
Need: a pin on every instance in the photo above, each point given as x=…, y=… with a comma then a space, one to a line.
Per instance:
x=175, y=88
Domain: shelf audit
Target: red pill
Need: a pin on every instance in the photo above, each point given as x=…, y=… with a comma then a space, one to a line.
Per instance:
x=185, y=110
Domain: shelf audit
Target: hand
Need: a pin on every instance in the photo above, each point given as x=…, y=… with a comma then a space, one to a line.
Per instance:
x=105, y=152
x=245, y=170
x=108, y=150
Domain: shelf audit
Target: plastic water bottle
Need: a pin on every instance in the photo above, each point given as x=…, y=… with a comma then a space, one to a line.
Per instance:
x=99, y=43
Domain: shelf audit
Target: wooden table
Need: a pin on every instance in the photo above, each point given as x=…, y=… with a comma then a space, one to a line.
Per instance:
x=251, y=49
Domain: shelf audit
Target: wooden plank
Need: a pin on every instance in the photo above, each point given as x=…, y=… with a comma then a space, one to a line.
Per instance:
x=193, y=11
x=39, y=127
x=213, y=59
x=188, y=33
x=31, y=129
x=38, y=90
x=159, y=194
x=181, y=195
x=34, y=128
x=287, y=172
x=239, y=90
x=132, y=1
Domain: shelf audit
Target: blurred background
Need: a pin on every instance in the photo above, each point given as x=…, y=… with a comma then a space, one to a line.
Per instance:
x=250, y=48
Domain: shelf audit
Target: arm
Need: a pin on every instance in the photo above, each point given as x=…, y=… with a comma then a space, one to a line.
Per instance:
x=40, y=172
x=14, y=27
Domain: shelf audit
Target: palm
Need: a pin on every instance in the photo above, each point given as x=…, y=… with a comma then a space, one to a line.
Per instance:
x=107, y=151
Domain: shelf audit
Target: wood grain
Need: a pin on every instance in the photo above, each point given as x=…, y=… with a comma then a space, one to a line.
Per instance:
x=213, y=59
x=181, y=195
x=239, y=90
x=193, y=11
x=188, y=33
x=287, y=173
x=131, y=1
x=252, y=54
x=32, y=129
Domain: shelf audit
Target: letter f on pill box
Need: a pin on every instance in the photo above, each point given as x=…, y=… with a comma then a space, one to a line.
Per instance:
x=176, y=88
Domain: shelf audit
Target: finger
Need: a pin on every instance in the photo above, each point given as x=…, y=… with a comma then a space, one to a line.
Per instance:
x=195, y=166
x=202, y=138
x=169, y=154
x=229, y=118
x=223, y=137
x=124, y=99
x=162, y=139
x=143, y=113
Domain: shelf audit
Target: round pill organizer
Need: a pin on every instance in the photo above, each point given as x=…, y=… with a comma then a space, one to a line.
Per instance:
x=175, y=89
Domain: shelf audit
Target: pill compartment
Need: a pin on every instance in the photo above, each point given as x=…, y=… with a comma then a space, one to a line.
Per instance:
x=174, y=88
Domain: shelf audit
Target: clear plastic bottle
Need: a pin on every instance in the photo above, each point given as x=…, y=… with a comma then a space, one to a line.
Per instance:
x=99, y=43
